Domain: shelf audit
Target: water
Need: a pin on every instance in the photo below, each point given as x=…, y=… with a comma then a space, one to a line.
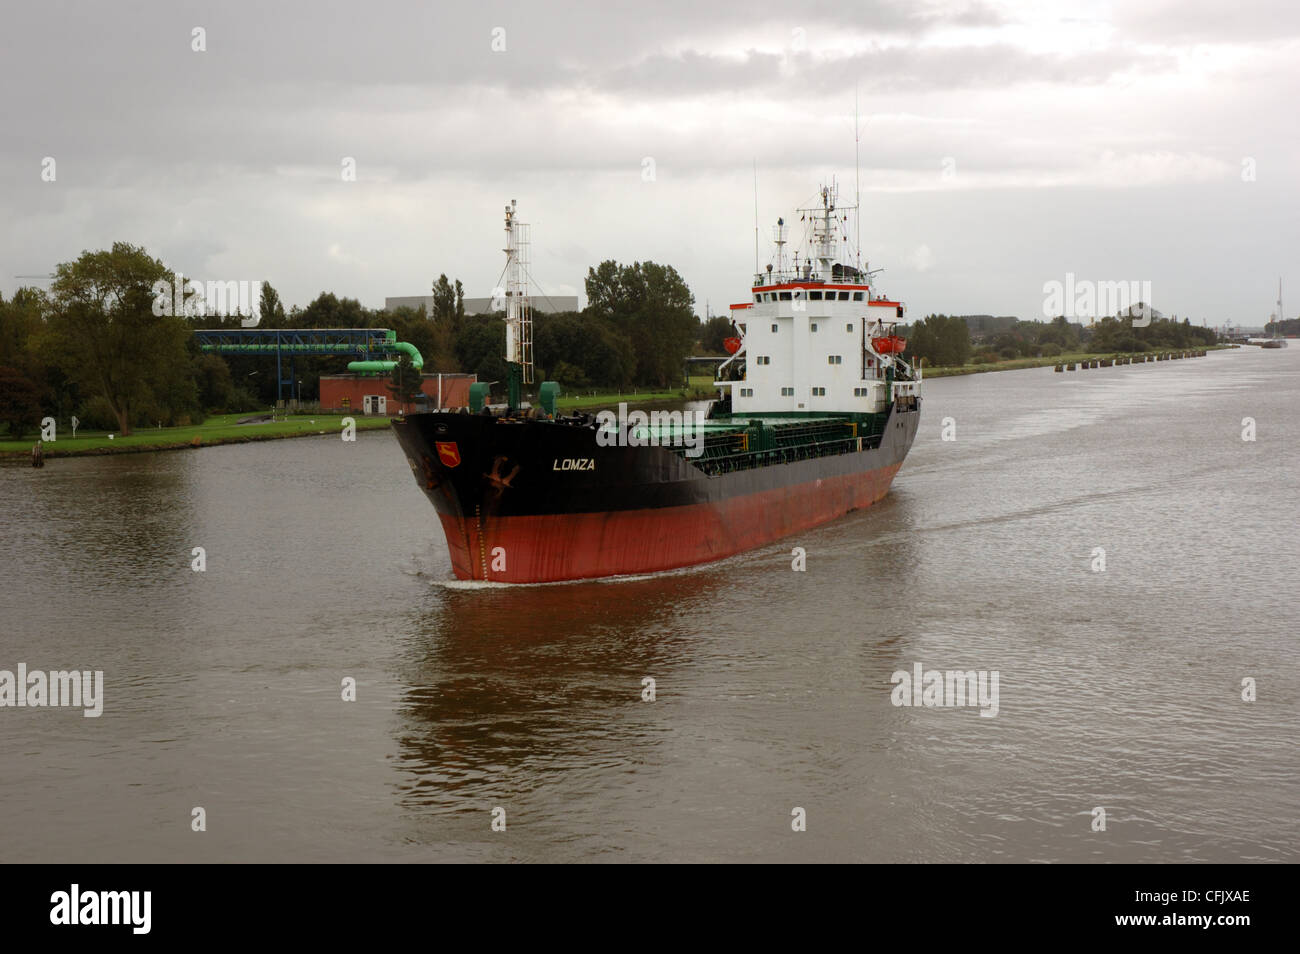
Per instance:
x=1118, y=689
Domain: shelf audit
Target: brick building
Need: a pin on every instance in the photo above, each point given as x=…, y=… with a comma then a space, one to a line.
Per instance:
x=347, y=392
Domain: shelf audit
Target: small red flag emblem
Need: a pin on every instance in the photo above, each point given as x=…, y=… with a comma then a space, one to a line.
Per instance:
x=448, y=453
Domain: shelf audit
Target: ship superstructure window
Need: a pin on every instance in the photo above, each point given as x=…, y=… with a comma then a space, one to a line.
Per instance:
x=849, y=329
x=747, y=392
x=814, y=296
x=857, y=296
x=764, y=359
x=813, y=326
x=860, y=392
x=774, y=329
x=758, y=298
x=835, y=359
x=787, y=392
x=786, y=296
x=844, y=296
x=819, y=392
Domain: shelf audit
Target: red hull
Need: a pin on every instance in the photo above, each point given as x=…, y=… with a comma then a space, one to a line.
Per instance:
x=574, y=546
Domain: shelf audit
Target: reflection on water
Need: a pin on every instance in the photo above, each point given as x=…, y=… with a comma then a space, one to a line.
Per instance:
x=511, y=684
x=1118, y=689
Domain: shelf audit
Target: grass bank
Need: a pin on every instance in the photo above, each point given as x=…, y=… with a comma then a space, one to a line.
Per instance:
x=699, y=389
x=1073, y=357
x=220, y=429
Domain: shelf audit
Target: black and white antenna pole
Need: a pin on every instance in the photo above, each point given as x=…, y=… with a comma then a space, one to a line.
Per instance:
x=757, y=267
x=857, y=186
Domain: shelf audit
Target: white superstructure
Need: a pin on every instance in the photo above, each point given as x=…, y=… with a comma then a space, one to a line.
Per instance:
x=807, y=331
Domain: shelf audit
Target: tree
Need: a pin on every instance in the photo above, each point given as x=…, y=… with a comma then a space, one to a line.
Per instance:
x=444, y=301
x=216, y=387
x=20, y=402
x=270, y=309
x=714, y=332
x=105, y=335
x=404, y=382
x=651, y=306
x=481, y=347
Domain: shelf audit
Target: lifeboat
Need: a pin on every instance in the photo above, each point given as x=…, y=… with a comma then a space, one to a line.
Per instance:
x=889, y=344
x=731, y=344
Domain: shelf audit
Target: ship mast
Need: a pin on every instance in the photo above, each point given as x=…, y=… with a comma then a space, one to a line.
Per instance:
x=1277, y=327
x=823, y=235
x=519, y=308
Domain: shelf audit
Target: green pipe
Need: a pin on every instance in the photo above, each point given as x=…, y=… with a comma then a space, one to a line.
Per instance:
x=391, y=344
x=372, y=367
x=271, y=349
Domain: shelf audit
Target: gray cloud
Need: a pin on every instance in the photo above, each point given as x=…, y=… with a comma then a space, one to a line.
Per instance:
x=228, y=160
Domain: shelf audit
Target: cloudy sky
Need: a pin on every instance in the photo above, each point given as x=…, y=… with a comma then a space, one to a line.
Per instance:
x=1004, y=144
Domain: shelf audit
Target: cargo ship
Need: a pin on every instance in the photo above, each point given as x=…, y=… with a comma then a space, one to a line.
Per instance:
x=816, y=409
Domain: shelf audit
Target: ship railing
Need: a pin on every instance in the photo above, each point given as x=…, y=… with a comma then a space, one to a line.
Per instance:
x=731, y=463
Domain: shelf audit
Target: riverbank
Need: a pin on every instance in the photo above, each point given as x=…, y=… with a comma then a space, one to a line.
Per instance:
x=225, y=429
x=220, y=429
x=1071, y=357
x=700, y=389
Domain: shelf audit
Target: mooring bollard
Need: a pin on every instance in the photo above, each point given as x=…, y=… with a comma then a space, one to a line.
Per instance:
x=1058, y=367
x=38, y=455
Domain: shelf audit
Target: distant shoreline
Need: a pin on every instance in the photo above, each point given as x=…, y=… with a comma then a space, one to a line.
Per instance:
x=223, y=429
x=1074, y=357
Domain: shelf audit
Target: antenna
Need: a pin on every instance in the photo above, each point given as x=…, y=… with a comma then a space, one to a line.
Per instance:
x=757, y=267
x=857, y=187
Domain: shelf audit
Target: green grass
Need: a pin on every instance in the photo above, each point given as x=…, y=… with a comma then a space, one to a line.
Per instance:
x=1073, y=357
x=220, y=429
x=699, y=389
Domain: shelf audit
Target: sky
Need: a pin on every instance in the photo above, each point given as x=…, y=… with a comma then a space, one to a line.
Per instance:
x=1003, y=145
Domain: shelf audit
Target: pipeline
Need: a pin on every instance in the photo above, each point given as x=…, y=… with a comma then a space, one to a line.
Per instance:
x=374, y=367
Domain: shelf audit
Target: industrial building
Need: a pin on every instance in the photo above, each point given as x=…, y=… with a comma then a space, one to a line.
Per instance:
x=347, y=393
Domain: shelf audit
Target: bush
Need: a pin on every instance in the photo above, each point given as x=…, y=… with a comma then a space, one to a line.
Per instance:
x=98, y=416
x=986, y=356
x=1009, y=353
x=1050, y=350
